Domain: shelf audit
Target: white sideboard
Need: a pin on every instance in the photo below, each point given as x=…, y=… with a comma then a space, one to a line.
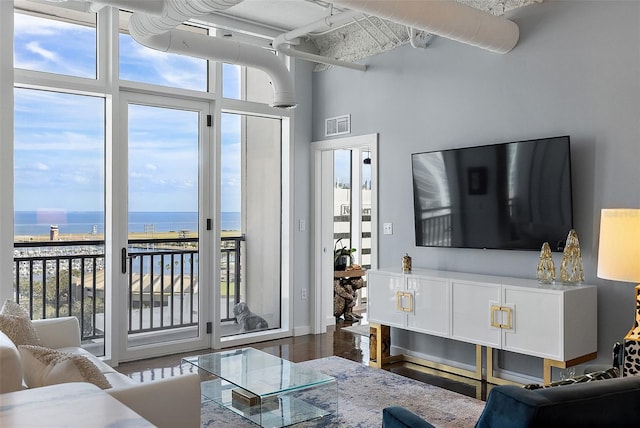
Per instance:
x=554, y=322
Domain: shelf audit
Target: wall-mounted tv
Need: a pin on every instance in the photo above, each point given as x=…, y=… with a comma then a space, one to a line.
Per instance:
x=512, y=196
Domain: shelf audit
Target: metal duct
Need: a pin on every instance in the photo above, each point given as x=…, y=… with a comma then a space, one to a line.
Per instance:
x=157, y=31
x=201, y=46
x=445, y=18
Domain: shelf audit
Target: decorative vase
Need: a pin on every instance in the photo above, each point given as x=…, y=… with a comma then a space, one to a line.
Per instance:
x=406, y=263
x=632, y=343
x=546, y=268
x=571, y=270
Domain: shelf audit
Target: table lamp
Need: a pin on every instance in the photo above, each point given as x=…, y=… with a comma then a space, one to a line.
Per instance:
x=619, y=260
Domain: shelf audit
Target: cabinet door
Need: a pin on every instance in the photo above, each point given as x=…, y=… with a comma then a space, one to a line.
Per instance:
x=381, y=298
x=431, y=305
x=537, y=322
x=471, y=312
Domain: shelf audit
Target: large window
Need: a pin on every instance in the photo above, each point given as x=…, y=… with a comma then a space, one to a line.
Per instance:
x=251, y=160
x=59, y=199
x=141, y=64
x=56, y=45
x=116, y=163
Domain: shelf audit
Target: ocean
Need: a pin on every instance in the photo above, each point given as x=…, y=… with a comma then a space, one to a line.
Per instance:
x=39, y=222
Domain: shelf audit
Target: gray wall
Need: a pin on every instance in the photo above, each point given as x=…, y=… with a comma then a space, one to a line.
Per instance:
x=575, y=71
x=302, y=266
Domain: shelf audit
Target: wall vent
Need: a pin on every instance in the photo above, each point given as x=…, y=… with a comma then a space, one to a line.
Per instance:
x=337, y=125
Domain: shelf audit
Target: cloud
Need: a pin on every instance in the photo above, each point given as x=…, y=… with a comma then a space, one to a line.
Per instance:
x=151, y=167
x=35, y=48
x=142, y=64
x=34, y=26
x=41, y=167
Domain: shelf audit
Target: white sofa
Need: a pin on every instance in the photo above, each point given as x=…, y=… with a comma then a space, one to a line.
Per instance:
x=170, y=402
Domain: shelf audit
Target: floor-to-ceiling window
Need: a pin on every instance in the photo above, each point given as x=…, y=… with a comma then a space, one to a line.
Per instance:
x=59, y=206
x=251, y=160
x=118, y=158
x=59, y=175
x=251, y=208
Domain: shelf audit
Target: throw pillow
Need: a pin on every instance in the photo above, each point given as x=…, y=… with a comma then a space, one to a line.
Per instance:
x=589, y=377
x=16, y=324
x=43, y=366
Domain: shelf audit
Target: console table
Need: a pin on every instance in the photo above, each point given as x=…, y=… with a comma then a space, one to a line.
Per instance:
x=554, y=322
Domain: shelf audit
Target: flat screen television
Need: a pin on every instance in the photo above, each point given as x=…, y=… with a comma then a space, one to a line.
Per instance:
x=511, y=196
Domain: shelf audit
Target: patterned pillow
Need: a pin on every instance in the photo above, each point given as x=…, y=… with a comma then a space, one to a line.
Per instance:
x=16, y=324
x=610, y=373
x=44, y=366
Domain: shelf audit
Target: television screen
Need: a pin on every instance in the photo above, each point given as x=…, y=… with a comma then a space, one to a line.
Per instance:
x=503, y=196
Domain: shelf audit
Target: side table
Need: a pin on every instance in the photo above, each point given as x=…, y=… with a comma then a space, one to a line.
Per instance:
x=345, y=285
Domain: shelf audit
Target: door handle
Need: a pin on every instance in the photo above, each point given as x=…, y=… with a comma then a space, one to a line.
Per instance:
x=496, y=309
x=404, y=301
x=125, y=257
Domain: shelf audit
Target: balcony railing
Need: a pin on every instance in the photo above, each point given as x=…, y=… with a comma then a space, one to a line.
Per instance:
x=61, y=278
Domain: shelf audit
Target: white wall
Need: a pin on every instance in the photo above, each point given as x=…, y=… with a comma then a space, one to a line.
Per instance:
x=575, y=71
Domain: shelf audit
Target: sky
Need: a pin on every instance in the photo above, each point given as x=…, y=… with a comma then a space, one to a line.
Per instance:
x=59, y=138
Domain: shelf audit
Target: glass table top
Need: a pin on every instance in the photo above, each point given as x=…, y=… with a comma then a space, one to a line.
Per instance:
x=261, y=373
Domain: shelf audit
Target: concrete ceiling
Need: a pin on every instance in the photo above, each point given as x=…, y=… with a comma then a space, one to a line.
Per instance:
x=353, y=41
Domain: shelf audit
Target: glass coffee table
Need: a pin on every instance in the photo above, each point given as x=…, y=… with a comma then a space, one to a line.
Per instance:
x=265, y=389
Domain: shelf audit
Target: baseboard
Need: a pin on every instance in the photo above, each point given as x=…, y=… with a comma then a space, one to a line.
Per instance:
x=301, y=330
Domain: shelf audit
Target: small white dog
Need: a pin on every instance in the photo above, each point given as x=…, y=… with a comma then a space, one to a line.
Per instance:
x=248, y=320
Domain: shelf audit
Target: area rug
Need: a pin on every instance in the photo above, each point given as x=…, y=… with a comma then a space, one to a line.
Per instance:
x=362, y=394
x=361, y=329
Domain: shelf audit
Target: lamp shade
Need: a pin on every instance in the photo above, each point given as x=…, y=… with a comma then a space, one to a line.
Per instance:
x=619, y=250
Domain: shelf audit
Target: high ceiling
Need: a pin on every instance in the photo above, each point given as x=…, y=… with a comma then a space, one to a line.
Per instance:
x=349, y=42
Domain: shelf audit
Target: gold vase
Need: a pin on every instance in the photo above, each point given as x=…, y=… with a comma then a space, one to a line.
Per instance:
x=571, y=270
x=546, y=271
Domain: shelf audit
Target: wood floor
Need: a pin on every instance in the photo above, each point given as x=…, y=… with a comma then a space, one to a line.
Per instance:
x=296, y=349
x=340, y=343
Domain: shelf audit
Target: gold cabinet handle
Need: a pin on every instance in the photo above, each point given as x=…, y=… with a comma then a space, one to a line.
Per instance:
x=496, y=308
x=404, y=301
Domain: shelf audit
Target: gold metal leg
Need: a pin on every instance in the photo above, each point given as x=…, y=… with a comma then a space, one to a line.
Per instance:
x=478, y=362
x=548, y=363
x=490, y=377
x=379, y=344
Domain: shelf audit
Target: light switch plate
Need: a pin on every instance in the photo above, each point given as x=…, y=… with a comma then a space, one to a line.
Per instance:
x=388, y=228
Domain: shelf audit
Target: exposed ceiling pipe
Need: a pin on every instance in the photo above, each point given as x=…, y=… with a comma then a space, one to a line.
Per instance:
x=446, y=18
x=201, y=46
x=157, y=31
x=283, y=41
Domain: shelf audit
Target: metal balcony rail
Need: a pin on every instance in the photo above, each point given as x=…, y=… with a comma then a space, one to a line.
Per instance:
x=436, y=224
x=61, y=278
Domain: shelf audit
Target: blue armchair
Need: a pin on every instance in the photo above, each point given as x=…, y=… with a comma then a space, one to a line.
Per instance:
x=603, y=403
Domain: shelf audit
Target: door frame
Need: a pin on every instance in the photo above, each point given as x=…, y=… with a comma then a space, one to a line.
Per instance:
x=207, y=238
x=322, y=305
